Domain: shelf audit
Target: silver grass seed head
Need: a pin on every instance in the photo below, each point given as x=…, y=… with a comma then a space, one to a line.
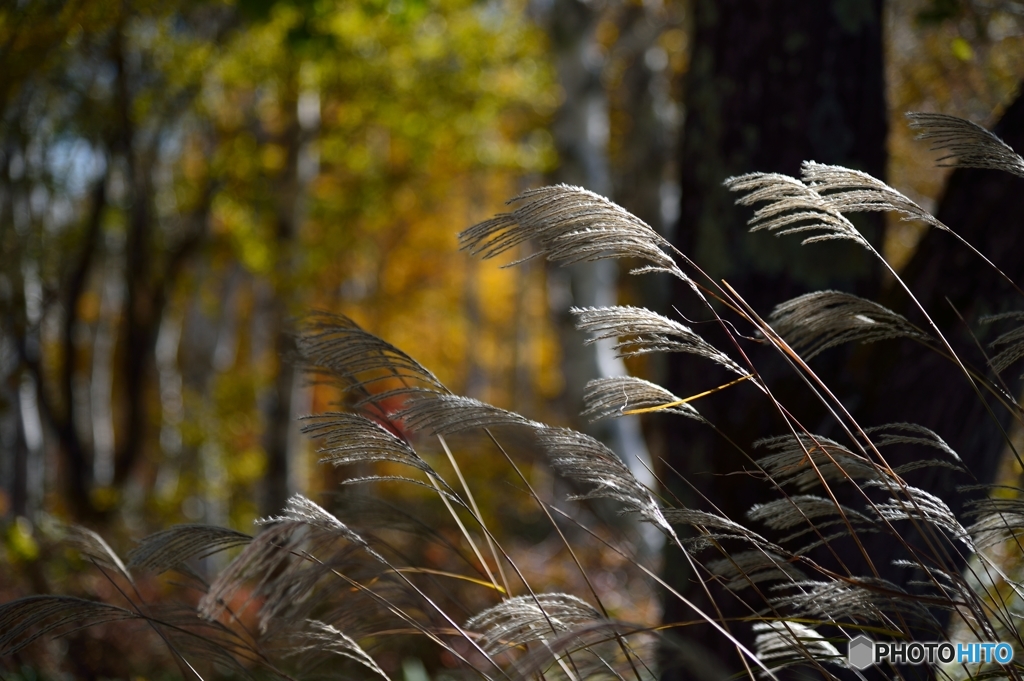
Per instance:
x=321, y=637
x=303, y=511
x=568, y=225
x=346, y=439
x=523, y=619
x=642, y=331
x=1011, y=342
x=174, y=546
x=820, y=320
x=970, y=144
x=616, y=396
x=851, y=191
x=585, y=459
x=784, y=643
x=792, y=208
x=441, y=414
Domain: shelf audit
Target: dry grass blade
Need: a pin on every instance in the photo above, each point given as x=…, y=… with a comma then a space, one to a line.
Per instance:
x=793, y=208
x=211, y=642
x=347, y=439
x=782, y=644
x=1012, y=339
x=93, y=546
x=568, y=225
x=170, y=548
x=523, y=619
x=820, y=320
x=617, y=395
x=321, y=638
x=448, y=414
x=853, y=191
x=581, y=458
x=643, y=331
x=24, y=620
x=789, y=462
x=971, y=145
x=361, y=361
x=744, y=568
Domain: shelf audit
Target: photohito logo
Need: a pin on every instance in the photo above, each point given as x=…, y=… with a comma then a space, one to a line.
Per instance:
x=864, y=652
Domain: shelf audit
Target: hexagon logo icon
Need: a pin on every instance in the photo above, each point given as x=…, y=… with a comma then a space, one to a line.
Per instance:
x=861, y=653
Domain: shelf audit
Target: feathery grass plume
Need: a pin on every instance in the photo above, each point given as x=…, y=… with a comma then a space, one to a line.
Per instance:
x=94, y=547
x=584, y=459
x=854, y=191
x=971, y=145
x=793, y=208
x=922, y=506
x=782, y=644
x=268, y=554
x=951, y=585
x=704, y=522
x=1012, y=339
x=621, y=395
x=174, y=546
x=25, y=620
x=303, y=511
x=569, y=225
x=997, y=520
x=276, y=557
x=745, y=568
x=896, y=434
x=817, y=321
x=322, y=590
x=521, y=620
x=449, y=414
x=870, y=600
x=809, y=513
x=643, y=331
x=361, y=363
x=320, y=638
x=352, y=438
x=914, y=434
x=347, y=439
x=789, y=462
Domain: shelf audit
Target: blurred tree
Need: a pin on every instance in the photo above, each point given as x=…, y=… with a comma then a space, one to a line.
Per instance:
x=83, y=139
x=610, y=133
x=180, y=181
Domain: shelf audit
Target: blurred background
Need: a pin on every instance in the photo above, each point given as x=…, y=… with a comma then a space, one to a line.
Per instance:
x=180, y=181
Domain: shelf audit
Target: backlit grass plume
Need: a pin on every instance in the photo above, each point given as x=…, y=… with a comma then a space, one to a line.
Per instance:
x=328, y=590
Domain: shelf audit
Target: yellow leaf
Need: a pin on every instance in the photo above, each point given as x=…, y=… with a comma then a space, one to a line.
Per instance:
x=961, y=49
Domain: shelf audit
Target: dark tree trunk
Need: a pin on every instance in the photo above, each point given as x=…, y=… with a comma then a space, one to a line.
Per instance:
x=985, y=208
x=581, y=130
x=771, y=84
x=902, y=382
x=279, y=483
